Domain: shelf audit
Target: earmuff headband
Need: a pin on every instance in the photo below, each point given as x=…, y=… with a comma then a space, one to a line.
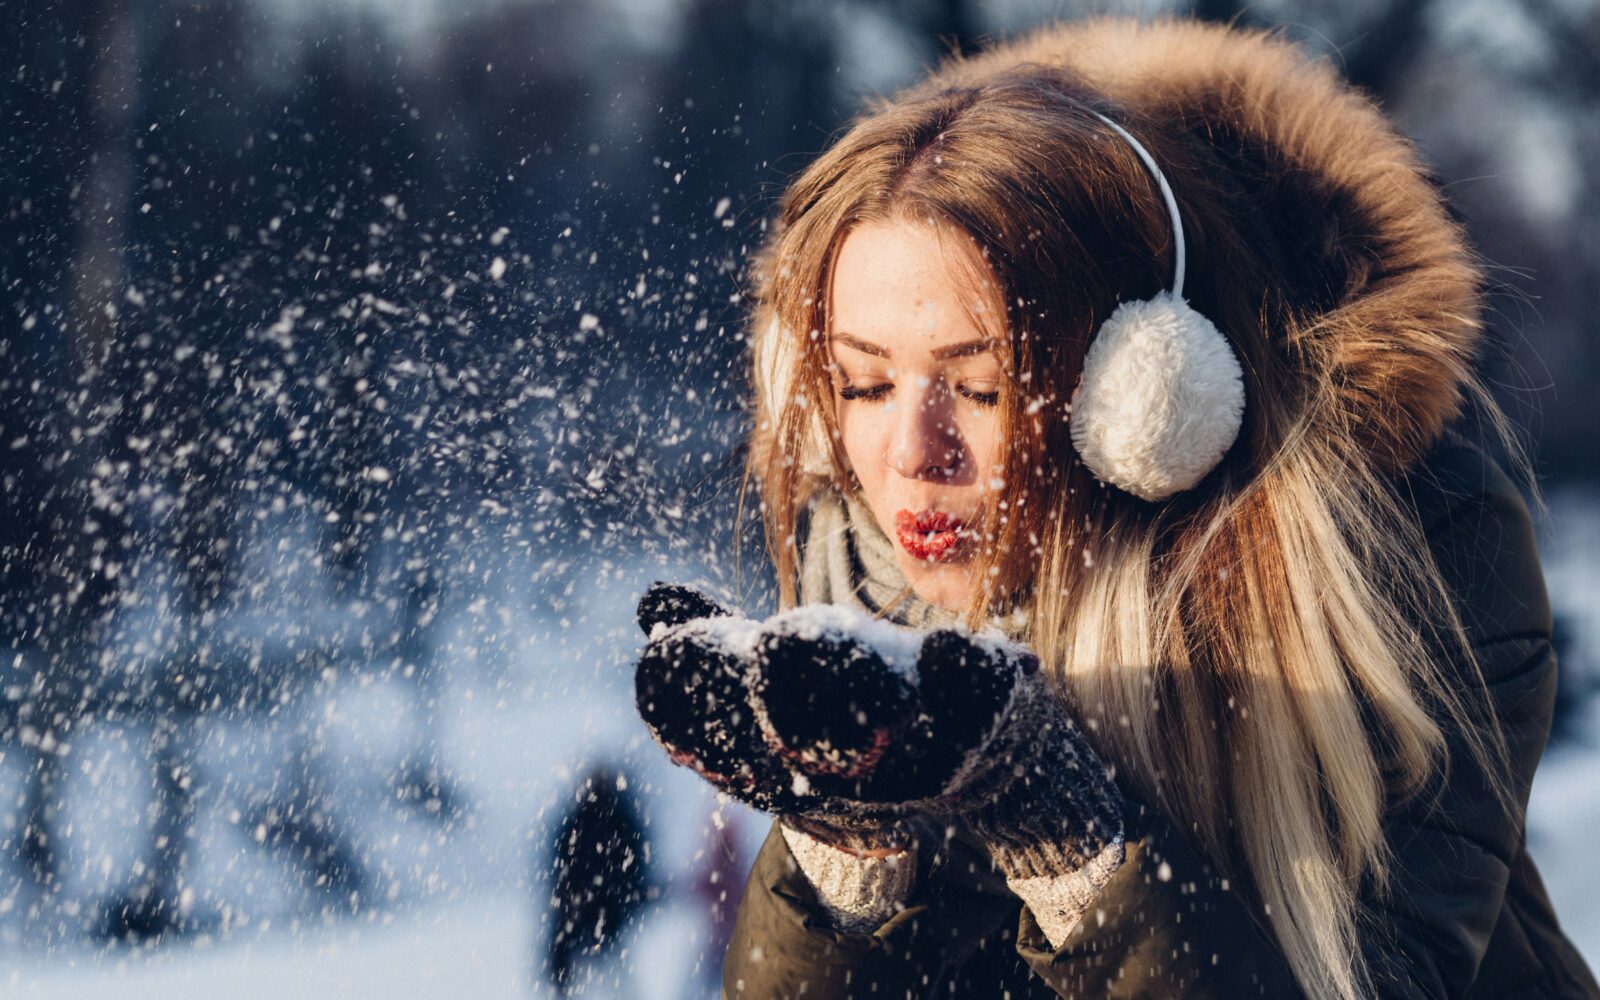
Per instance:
x=1166, y=194
x=1161, y=397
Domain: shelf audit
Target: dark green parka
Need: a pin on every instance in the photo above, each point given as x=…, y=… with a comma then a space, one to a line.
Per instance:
x=1468, y=916
x=1385, y=280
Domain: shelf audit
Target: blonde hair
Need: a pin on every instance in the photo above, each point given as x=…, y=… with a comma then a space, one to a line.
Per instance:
x=1256, y=654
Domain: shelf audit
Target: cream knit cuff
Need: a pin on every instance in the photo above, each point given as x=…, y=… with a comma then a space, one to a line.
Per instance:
x=1058, y=902
x=858, y=893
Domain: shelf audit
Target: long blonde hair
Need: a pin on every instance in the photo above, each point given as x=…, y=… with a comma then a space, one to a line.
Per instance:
x=1256, y=654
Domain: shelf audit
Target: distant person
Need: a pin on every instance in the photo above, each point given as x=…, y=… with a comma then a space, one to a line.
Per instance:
x=1170, y=629
x=601, y=875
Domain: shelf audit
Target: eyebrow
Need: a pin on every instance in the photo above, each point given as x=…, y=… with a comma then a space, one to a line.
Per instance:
x=962, y=350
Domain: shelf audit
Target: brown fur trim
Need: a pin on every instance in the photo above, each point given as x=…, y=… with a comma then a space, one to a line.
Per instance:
x=1397, y=326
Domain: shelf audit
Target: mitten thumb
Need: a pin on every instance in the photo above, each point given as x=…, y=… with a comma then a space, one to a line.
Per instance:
x=676, y=603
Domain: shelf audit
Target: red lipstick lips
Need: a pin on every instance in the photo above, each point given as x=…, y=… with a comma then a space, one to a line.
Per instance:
x=932, y=535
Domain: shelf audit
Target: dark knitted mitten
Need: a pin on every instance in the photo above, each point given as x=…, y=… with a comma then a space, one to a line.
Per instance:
x=988, y=743
x=694, y=686
x=689, y=691
x=1051, y=806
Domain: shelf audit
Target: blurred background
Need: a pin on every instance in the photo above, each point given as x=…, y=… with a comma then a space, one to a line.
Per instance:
x=362, y=362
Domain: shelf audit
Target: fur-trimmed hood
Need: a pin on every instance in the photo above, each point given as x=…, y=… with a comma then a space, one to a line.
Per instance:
x=1396, y=327
x=1404, y=325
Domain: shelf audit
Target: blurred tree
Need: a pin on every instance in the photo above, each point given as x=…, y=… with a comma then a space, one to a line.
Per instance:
x=62, y=531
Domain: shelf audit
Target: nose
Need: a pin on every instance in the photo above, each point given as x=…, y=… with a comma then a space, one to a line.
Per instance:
x=924, y=442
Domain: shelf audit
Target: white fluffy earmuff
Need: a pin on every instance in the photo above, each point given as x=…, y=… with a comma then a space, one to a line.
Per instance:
x=1161, y=396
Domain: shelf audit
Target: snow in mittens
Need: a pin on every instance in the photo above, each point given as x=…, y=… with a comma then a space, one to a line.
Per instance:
x=897, y=646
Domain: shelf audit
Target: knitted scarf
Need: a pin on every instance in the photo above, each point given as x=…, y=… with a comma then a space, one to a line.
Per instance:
x=846, y=558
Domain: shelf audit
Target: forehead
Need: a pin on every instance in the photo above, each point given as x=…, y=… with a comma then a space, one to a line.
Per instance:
x=910, y=285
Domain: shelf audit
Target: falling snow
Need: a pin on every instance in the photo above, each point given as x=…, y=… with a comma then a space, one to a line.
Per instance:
x=363, y=370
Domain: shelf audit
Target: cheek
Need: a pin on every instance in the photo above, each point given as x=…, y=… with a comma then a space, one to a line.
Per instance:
x=862, y=437
x=982, y=435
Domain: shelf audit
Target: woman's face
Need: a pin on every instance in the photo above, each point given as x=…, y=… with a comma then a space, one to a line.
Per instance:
x=916, y=384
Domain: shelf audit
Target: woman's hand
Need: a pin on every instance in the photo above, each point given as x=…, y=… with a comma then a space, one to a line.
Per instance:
x=804, y=716
x=989, y=744
x=701, y=686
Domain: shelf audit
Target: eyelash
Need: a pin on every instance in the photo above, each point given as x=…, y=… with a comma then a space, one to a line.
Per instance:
x=877, y=392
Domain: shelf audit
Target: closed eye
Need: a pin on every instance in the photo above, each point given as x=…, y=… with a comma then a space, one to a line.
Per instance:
x=877, y=393
x=872, y=394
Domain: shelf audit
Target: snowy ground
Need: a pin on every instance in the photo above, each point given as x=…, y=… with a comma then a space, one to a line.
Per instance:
x=474, y=948
x=455, y=904
x=476, y=936
x=1564, y=810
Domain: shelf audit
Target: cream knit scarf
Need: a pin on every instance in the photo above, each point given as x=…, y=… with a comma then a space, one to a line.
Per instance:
x=845, y=558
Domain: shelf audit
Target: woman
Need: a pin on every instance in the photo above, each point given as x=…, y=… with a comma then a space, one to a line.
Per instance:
x=1140, y=353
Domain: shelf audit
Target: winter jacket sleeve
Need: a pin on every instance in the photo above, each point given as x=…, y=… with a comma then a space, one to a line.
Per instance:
x=1168, y=926
x=784, y=943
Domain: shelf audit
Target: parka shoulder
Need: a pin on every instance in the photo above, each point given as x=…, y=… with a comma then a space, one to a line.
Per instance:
x=1482, y=535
